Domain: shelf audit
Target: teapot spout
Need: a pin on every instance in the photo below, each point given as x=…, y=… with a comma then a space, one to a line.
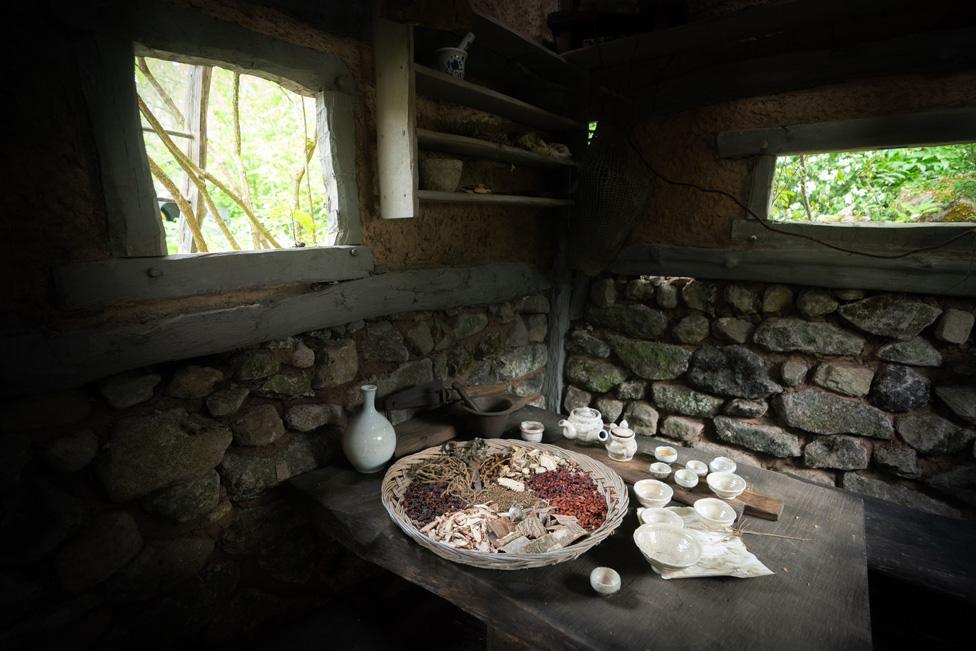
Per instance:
x=569, y=431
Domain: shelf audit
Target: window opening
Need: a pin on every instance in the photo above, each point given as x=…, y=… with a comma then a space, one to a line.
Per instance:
x=233, y=158
x=888, y=186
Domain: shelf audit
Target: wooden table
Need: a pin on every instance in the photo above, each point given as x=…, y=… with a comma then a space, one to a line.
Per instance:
x=818, y=597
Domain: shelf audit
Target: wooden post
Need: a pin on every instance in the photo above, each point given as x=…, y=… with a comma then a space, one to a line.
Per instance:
x=396, y=139
x=195, y=110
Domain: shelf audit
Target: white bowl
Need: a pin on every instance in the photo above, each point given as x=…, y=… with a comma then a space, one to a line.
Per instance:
x=686, y=478
x=665, y=453
x=698, y=466
x=605, y=581
x=660, y=516
x=532, y=431
x=726, y=485
x=660, y=470
x=722, y=464
x=715, y=513
x=652, y=493
x=667, y=548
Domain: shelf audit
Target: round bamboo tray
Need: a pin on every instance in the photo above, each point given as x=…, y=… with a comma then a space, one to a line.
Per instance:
x=610, y=485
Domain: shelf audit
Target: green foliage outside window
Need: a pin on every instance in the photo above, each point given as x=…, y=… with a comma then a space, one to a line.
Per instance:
x=276, y=127
x=911, y=184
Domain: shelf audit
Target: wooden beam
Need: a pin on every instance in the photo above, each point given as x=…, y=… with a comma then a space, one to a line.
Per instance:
x=335, y=125
x=760, y=186
x=187, y=35
x=722, y=33
x=484, y=149
x=396, y=139
x=937, y=51
x=49, y=360
x=450, y=89
x=120, y=280
x=105, y=63
x=195, y=110
x=496, y=37
x=873, y=237
x=433, y=196
x=814, y=265
x=911, y=130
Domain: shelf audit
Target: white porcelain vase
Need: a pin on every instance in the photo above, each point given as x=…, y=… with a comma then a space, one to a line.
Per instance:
x=370, y=440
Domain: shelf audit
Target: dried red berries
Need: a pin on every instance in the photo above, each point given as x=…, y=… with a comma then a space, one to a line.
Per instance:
x=424, y=502
x=571, y=493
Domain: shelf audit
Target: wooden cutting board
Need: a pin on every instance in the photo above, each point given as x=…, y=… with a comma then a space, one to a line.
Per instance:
x=748, y=503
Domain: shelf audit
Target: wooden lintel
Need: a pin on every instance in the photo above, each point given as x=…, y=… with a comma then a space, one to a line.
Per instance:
x=814, y=265
x=908, y=130
x=38, y=361
x=120, y=280
x=876, y=237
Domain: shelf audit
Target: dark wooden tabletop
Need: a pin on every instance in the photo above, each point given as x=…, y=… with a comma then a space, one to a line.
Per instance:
x=817, y=598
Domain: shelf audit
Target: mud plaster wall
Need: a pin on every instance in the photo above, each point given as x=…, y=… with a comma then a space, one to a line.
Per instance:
x=683, y=146
x=54, y=209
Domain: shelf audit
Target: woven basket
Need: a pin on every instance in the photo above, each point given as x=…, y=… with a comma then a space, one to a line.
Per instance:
x=607, y=482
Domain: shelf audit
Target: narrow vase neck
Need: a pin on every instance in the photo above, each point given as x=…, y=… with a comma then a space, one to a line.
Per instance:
x=369, y=397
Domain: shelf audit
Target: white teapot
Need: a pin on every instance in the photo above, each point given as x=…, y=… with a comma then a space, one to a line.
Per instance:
x=585, y=425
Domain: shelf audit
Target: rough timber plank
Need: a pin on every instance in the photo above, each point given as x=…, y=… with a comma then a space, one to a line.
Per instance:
x=433, y=196
x=105, y=64
x=38, y=360
x=396, y=140
x=817, y=599
x=944, y=127
x=450, y=89
x=750, y=502
x=422, y=432
x=118, y=280
x=484, y=149
x=815, y=265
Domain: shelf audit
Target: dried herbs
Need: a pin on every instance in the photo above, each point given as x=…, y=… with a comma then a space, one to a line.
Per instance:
x=425, y=501
x=528, y=500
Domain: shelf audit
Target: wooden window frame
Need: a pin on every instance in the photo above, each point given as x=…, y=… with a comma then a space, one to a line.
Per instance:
x=762, y=146
x=139, y=268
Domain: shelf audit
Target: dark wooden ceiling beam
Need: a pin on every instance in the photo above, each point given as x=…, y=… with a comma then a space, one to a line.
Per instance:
x=743, y=26
x=940, y=51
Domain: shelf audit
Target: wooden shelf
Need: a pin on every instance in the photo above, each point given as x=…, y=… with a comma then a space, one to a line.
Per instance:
x=441, y=86
x=432, y=196
x=496, y=37
x=465, y=146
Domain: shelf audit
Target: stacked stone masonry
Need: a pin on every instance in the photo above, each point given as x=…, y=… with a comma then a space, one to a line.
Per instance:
x=872, y=392
x=153, y=500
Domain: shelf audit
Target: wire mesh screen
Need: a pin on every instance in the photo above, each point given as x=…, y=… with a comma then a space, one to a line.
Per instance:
x=610, y=198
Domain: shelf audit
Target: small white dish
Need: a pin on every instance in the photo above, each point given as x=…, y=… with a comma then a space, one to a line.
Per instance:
x=667, y=548
x=653, y=494
x=532, y=431
x=660, y=516
x=605, y=581
x=722, y=464
x=726, y=485
x=715, y=513
x=698, y=466
x=660, y=470
x=665, y=453
x=686, y=478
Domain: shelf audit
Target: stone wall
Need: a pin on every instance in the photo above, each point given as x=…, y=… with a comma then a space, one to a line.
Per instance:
x=148, y=508
x=872, y=392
